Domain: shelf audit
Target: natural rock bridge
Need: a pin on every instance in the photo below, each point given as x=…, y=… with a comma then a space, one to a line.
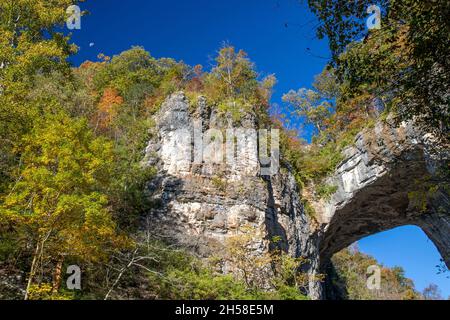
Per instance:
x=384, y=182
x=388, y=179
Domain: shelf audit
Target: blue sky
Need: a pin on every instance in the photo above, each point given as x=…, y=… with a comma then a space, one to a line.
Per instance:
x=410, y=248
x=279, y=36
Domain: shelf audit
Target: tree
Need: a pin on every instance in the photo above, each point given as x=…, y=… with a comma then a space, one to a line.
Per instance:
x=275, y=270
x=107, y=108
x=29, y=43
x=235, y=73
x=309, y=104
x=266, y=87
x=56, y=204
x=350, y=279
x=315, y=106
x=29, y=46
x=326, y=84
x=405, y=63
x=432, y=292
x=131, y=67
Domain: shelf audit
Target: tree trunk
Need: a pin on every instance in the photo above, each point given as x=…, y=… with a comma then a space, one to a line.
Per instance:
x=57, y=275
x=319, y=130
x=32, y=270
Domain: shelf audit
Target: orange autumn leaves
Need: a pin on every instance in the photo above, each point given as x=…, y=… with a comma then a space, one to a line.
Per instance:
x=108, y=108
x=109, y=99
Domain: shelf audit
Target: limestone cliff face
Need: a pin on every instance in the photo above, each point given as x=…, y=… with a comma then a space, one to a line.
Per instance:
x=202, y=204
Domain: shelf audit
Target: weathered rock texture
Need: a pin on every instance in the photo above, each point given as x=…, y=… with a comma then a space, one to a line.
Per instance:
x=202, y=204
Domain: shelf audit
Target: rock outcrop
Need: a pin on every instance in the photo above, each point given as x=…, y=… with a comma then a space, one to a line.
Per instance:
x=202, y=203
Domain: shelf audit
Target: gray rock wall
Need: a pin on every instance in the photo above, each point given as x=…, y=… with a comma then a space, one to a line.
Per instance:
x=203, y=204
x=385, y=182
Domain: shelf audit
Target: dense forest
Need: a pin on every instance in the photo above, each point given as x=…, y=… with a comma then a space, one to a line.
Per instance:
x=72, y=183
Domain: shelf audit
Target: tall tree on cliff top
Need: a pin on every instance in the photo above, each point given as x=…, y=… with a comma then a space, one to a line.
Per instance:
x=235, y=72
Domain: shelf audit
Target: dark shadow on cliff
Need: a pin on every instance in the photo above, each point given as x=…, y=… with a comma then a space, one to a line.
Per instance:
x=160, y=191
x=275, y=230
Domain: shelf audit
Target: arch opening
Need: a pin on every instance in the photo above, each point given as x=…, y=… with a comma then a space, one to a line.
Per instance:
x=408, y=261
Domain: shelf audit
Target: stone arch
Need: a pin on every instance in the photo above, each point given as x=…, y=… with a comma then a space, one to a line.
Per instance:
x=390, y=178
x=363, y=218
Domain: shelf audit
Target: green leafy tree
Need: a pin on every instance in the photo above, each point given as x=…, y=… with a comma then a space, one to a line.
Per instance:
x=233, y=75
x=310, y=105
x=29, y=46
x=350, y=279
x=56, y=204
x=404, y=64
x=275, y=271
